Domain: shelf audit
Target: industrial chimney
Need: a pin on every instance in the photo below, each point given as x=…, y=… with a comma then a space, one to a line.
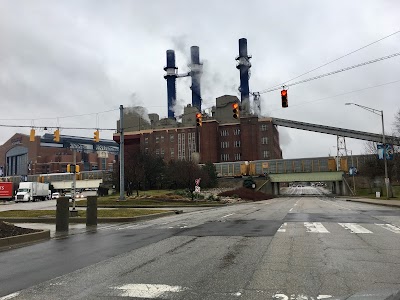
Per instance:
x=244, y=65
x=195, y=72
x=171, y=75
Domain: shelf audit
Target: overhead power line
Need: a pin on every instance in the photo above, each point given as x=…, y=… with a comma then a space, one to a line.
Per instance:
x=342, y=94
x=333, y=72
x=336, y=59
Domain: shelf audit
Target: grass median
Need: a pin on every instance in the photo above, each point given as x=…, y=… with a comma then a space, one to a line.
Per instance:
x=147, y=202
x=102, y=213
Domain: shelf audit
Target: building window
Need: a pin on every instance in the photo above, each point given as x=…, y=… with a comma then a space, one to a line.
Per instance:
x=224, y=144
x=236, y=131
x=172, y=152
x=146, y=140
x=237, y=156
x=224, y=132
x=146, y=150
x=171, y=138
x=266, y=154
x=236, y=144
x=224, y=157
x=264, y=140
x=162, y=139
x=162, y=152
x=181, y=146
x=104, y=164
x=264, y=127
x=157, y=139
x=157, y=151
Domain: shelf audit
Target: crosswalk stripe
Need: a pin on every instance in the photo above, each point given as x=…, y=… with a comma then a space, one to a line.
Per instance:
x=390, y=227
x=282, y=228
x=354, y=228
x=315, y=227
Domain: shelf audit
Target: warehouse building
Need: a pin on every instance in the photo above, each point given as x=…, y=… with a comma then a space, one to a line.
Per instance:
x=20, y=157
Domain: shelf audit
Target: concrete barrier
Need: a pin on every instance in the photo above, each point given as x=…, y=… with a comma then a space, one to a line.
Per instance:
x=24, y=238
x=62, y=214
x=91, y=211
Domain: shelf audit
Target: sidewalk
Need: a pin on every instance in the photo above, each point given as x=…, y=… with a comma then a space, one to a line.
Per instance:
x=392, y=203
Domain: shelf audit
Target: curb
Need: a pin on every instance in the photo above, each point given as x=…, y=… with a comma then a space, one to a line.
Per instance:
x=154, y=206
x=374, y=203
x=99, y=220
x=25, y=238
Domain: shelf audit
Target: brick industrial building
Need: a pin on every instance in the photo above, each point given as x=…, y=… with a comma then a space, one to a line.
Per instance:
x=19, y=156
x=221, y=137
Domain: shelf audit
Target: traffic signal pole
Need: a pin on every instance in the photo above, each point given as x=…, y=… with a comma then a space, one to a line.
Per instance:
x=74, y=212
x=121, y=154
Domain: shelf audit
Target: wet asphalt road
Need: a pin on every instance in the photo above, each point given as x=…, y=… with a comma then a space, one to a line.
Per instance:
x=286, y=248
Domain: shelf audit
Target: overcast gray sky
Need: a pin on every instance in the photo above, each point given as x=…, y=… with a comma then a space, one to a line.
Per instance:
x=63, y=58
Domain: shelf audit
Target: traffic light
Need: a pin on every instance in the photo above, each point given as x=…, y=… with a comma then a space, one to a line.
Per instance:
x=32, y=135
x=56, y=135
x=199, y=119
x=96, y=136
x=235, y=109
x=68, y=168
x=284, y=98
x=77, y=169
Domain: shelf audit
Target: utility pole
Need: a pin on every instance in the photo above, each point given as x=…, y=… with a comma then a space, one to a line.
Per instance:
x=74, y=212
x=379, y=112
x=121, y=154
x=384, y=157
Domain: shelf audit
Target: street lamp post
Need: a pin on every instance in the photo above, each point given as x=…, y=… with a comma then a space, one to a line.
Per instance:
x=379, y=113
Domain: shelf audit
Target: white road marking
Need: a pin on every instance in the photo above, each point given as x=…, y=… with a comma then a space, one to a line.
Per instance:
x=315, y=227
x=282, y=228
x=106, y=227
x=227, y=215
x=127, y=227
x=390, y=227
x=354, y=228
x=147, y=290
x=280, y=296
x=335, y=204
x=291, y=209
x=10, y=296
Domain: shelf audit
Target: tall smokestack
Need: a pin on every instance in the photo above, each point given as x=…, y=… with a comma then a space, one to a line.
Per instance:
x=244, y=65
x=195, y=73
x=171, y=75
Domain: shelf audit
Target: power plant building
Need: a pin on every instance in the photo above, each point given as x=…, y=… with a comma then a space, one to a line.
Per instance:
x=222, y=138
x=218, y=137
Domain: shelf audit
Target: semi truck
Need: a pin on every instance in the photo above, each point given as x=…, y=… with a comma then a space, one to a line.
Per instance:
x=32, y=191
x=6, y=190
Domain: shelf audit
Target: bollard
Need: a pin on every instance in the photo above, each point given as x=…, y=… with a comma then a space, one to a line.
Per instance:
x=91, y=211
x=62, y=214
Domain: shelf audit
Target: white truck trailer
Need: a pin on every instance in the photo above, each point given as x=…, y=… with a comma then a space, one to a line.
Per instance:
x=32, y=191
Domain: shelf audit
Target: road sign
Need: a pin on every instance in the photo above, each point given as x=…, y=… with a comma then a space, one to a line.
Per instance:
x=102, y=154
x=380, y=149
x=197, y=189
x=389, y=151
x=387, y=181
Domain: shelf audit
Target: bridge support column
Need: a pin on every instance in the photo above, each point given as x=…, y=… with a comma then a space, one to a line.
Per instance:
x=275, y=187
x=336, y=187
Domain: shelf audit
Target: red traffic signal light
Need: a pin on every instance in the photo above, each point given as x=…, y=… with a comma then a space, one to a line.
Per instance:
x=235, y=109
x=199, y=118
x=284, y=97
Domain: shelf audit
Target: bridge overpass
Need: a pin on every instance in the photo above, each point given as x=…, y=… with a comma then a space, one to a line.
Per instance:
x=354, y=134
